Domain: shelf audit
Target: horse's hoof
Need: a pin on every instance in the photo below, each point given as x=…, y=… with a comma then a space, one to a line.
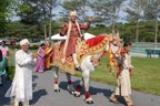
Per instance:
x=71, y=89
x=113, y=100
x=130, y=104
x=57, y=90
x=71, y=92
x=89, y=100
x=77, y=94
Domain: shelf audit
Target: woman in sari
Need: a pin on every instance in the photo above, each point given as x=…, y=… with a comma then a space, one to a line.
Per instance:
x=40, y=59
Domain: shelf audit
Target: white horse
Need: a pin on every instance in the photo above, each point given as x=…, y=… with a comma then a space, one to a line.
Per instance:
x=88, y=53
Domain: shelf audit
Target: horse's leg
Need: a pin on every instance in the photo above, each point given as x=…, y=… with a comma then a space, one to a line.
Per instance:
x=56, y=78
x=77, y=92
x=87, y=66
x=70, y=86
x=86, y=78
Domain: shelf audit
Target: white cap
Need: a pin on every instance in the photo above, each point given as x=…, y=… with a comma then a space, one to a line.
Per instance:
x=24, y=42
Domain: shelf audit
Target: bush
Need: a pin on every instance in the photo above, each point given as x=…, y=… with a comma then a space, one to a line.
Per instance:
x=10, y=72
x=33, y=47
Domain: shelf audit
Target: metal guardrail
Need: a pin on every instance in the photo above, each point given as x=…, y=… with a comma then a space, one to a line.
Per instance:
x=141, y=47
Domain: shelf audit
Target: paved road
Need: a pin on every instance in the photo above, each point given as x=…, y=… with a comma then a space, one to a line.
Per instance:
x=44, y=94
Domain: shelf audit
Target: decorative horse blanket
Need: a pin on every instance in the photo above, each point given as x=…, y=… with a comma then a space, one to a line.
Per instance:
x=91, y=46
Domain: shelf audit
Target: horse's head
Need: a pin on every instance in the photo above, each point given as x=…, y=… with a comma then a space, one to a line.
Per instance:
x=113, y=42
x=113, y=48
x=116, y=39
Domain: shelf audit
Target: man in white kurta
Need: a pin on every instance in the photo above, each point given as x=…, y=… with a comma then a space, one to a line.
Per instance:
x=21, y=88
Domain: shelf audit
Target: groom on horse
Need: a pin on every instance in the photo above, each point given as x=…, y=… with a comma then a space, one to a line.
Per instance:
x=72, y=30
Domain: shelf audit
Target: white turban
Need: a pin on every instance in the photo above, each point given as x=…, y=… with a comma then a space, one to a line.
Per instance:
x=24, y=42
x=73, y=13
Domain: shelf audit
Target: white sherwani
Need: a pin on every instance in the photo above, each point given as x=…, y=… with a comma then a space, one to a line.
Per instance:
x=124, y=88
x=21, y=87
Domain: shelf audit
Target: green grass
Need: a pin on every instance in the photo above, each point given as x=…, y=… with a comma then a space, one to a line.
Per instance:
x=146, y=77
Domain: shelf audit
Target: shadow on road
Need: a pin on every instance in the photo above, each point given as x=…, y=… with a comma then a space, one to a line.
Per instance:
x=34, y=77
x=3, y=89
x=37, y=95
x=106, y=92
x=94, y=90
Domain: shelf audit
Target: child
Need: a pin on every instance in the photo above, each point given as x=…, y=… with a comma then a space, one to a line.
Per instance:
x=123, y=81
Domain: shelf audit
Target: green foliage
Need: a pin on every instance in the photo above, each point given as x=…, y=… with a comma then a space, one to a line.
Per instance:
x=106, y=10
x=29, y=13
x=35, y=11
x=152, y=10
x=25, y=8
x=32, y=47
x=20, y=30
x=10, y=72
x=71, y=5
x=128, y=31
x=4, y=7
x=74, y=4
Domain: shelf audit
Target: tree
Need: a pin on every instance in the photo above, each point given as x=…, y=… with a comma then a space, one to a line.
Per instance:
x=107, y=10
x=37, y=12
x=135, y=10
x=50, y=4
x=4, y=10
x=152, y=12
x=115, y=6
x=101, y=10
x=32, y=11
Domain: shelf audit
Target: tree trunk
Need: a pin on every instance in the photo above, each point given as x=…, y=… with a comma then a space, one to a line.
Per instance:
x=50, y=27
x=50, y=21
x=156, y=31
x=113, y=28
x=113, y=21
x=45, y=32
x=137, y=31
